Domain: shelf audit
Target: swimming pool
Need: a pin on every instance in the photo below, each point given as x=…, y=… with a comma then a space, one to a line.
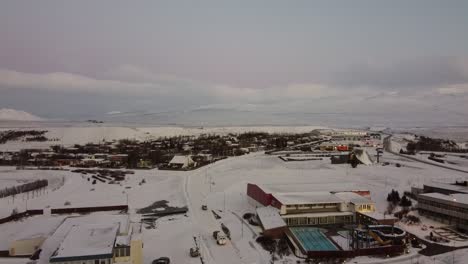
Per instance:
x=312, y=239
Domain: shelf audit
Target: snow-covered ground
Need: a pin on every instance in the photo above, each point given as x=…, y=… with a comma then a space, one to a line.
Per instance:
x=79, y=192
x=227, y=197
x=68, y=134
x=222, y=187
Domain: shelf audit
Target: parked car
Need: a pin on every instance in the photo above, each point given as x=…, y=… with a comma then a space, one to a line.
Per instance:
x=204, y=207
x=162, y=260
x=194, y=252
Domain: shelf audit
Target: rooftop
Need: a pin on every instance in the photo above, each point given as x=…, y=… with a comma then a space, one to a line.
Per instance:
x=87, y=242
x=452, y=187
x=307, y=198
x=309, y=187
x=354, y=198
x=378, y=215
x=270, y=218
x=457, y=198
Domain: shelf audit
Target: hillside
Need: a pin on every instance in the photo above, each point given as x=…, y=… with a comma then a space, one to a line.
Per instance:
x=17, y=115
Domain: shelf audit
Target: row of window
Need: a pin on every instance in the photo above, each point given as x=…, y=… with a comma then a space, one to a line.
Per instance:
x=122, y=252
x=444, y=206
x=96, y=261
x=365, y=207
x=319, y=220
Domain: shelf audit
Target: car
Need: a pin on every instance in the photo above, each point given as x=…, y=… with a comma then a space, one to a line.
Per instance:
x=162, y=260
x=204, y=207
x=194, y=252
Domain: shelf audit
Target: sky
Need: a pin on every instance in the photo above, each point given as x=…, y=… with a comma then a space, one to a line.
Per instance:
x=76, y=59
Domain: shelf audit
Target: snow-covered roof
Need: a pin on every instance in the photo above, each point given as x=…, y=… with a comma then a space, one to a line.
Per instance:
x=123, y=240
x=307, y=198
x=456, y=198
x=350, y=197
x=310, y=187
x=38, y=227
x=181, y=160
x=87, y=242
x=270, y=218
x=378, y=215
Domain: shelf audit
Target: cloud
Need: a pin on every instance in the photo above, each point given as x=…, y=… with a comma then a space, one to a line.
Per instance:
x=130, y=88
x=420, y=73
x=130, y=80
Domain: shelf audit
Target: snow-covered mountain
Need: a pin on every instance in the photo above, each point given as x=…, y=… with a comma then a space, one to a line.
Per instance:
x=17, y=115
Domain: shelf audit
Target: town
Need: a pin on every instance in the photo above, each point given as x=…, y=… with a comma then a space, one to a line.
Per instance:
x=296, y=212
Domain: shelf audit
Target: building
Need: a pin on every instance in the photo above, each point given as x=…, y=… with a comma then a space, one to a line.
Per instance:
x=100, y=243
x=272, y=223
x=375, y=218
x=450, y=209
x=181, y=162
x=446, y=203
x=92, y=243
x=302, y=205
x=444, y=188
x=339, y=158
x=31, y=234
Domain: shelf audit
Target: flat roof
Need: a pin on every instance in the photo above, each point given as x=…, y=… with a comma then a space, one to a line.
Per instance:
x=123, y=241
x=456, y=198
x=451, y=187
x=307, y=198
x=89, y=241
x=38, y=227
x=354, y=198
x=378, y=215
x=310, y=187
x=270, y=218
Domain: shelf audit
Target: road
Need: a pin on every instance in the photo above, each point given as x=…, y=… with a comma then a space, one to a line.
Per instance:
x=204, y=223
x=387, y=142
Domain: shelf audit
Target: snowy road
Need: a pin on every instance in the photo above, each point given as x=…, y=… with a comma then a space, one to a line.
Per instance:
x=204, y=223
x=387, y=143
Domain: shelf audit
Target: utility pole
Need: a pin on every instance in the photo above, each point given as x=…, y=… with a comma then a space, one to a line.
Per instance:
x=242, y=228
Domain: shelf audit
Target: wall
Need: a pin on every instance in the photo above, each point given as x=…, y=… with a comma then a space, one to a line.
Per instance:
x=25, y=247
x=136, y=251
x=256, y=193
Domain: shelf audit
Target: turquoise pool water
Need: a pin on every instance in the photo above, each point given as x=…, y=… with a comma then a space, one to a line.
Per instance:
x=312, y=239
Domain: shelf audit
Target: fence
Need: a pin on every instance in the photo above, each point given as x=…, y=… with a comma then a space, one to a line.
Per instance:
x=27, y=187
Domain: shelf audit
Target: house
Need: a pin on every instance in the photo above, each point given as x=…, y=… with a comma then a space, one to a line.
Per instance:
x=203, y=158
x=119, y=159
x=181, y=162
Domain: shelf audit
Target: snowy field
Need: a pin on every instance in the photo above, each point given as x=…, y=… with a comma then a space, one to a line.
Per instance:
x=75, y=189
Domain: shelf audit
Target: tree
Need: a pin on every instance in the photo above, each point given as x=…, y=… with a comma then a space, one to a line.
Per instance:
x=405, y=202
x=393, y=197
